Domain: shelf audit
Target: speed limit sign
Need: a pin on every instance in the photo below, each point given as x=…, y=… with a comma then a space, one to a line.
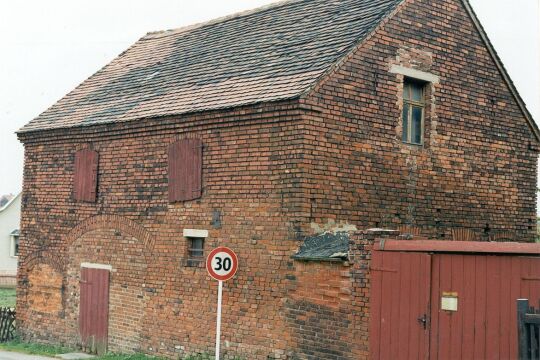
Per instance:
x=222, y=263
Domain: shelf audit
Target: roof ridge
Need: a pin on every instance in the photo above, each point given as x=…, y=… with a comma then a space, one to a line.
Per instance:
x=274, y=48
x=221, y=19
x=6, y=205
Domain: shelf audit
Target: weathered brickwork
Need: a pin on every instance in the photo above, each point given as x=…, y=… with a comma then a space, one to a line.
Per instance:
x=127, y=297
x=272, y=173
x=249, y=176
x=319, y=310
x=44, y=289
x=41, y=283
x=477, y=164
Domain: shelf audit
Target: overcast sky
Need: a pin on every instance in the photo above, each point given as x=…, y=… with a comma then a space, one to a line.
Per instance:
x=49, y=47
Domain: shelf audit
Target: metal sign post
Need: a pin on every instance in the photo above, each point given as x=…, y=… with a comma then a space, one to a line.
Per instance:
x=218, y=322
x=221, y=264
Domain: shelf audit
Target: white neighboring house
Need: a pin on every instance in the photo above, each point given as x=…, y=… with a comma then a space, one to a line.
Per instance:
x=10, y=218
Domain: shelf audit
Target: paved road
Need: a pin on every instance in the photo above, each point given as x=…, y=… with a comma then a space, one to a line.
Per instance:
x=8, y=355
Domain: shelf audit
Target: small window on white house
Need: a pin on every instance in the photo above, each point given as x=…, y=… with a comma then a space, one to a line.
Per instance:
x=14, y=243
x=413, y=112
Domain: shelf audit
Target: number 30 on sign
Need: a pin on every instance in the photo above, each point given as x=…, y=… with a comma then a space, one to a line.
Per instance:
x=222, y=263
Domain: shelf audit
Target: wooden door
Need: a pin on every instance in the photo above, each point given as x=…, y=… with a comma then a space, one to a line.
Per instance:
x=94, y=309
x=399, y=303
x=485, y=287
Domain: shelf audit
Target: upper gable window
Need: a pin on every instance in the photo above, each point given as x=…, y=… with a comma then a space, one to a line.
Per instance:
x=185, y=170
x=413, y=112
x=85, y=175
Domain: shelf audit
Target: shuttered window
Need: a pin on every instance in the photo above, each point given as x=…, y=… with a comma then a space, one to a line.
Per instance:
x=185, y=170
x=85, y=175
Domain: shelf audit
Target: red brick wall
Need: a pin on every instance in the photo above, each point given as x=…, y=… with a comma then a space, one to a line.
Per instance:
x=274, y=172
x=127, y=297
x=249, y=176
x=328, y=304
x=475, y=169
x=318, y=310
x=40, y=287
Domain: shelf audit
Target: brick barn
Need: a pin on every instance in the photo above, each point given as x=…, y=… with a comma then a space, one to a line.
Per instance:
x=284, y=133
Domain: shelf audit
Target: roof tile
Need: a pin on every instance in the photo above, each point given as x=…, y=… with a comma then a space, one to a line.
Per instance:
x=270, y=54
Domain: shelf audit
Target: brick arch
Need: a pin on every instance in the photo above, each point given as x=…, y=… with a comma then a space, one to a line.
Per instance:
x=41, y=257
x=116, y=222
x=126, y=247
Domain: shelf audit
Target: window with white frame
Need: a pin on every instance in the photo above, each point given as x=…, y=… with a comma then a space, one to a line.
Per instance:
x=14, y=243
x=195, y=239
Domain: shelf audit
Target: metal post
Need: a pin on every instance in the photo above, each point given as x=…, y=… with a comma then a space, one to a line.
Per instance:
x=522, y=307
x=218, y=325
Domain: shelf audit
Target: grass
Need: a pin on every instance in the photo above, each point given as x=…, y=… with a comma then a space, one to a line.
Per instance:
x=7, y=297
x=34, y=349
x=51, y=350
x=199, y=357
x=204, y=357
x=128, y=357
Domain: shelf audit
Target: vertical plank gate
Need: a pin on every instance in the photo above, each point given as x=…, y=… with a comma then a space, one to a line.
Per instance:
x=486, y=287
x=94, y=309
x=468, y=301
x=401, y=328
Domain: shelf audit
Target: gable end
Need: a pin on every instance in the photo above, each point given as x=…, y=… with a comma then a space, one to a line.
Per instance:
x=491, y=50
x=502, y=70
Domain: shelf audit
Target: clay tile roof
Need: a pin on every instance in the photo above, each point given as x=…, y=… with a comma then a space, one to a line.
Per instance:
x=272, y=53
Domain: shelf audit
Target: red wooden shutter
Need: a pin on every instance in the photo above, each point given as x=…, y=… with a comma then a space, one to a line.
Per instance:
x=185, y=170
x=85, y=175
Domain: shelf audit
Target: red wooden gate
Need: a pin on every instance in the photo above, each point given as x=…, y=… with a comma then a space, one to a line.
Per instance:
x=478, y=320
x=94, y=309
x=487, y=287
x=401, y=330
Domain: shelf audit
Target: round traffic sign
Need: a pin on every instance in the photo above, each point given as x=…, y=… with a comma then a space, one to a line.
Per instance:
x=222, y=263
